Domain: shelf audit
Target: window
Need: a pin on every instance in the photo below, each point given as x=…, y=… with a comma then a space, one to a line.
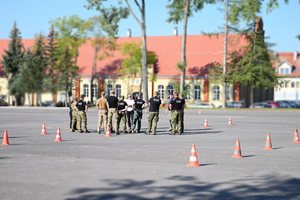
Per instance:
x=188, y=94
x=287, y=70
x=286, y=84
x=86, y=90
x=216, y=93
x=118, y=91
x=282, y=71
x=197, y=92
x=297, y=84
x=108, y=89
x=292, y=84
x=95, y=90
x=161, y=91
x=3, y=97
x=227, y=92
x=169, y=90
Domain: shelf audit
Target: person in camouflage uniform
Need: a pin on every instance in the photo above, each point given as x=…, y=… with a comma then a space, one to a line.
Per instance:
x=81, y=107
x=74, y=114
x=102, y=114
x=178, y=106
x=153, y=116
x=181, y=96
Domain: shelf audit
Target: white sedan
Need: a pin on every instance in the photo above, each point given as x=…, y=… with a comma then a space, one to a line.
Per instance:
x=202, y=105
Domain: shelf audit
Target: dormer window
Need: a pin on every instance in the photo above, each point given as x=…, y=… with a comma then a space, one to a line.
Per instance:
x=287, y=71
x=282, y=71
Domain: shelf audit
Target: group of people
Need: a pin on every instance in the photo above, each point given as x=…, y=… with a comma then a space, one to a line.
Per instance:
x=130, y=111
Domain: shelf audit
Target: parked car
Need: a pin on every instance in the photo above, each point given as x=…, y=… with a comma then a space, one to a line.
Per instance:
x=202, y=105
x=272, y=104
x=282, y=104
x=3, y=103
x=236, y=104
x=261, y=105
x=292, y=104
x=46, y=103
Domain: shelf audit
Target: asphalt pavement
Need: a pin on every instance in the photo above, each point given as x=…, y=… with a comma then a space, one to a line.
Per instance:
x=138, y=166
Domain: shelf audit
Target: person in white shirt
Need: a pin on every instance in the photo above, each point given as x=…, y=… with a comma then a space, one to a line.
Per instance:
x=130, y=112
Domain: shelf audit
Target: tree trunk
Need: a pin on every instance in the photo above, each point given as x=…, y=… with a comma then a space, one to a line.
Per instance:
x=251, y=97
x=183, y=56
x=29, y=102
x=94, y=71
x=225, y=56
x=144, y=52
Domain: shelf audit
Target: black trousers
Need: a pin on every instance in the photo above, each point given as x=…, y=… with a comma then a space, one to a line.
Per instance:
x=130, y=118
x=70, y=114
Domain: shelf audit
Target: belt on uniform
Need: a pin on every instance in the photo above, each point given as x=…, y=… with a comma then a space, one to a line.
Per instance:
x=178, y=110
x=80, y=110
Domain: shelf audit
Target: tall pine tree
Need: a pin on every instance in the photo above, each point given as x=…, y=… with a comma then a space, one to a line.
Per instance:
x=13, y=61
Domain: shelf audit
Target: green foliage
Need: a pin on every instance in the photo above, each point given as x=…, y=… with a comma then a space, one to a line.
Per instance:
x=14, y=59
x=254, y=67
x=181, y=66
x=247, y=10
x=176, y=8
x=132, y=63
x=176, y=87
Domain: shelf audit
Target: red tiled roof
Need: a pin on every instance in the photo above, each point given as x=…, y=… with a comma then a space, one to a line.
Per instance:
x=201, y=52
x=289, y=57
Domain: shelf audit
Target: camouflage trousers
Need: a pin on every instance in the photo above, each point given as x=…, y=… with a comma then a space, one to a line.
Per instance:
x=74, y=119
x=112, y=112
x=153, y=118
x=82, y=118
x=121, y=116
x=102, y=116
x=137, y=117
x=177, y=119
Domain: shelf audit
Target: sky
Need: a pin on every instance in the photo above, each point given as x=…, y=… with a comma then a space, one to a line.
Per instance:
x=32, y=17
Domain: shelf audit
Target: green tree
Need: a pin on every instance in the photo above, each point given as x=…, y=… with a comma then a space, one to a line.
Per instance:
x=97, y=4
x=181, y=10
x=132, y=63
x=253, y=68
x=107, y=22
x=13, y=61
x=66, y=68
x=51, y=55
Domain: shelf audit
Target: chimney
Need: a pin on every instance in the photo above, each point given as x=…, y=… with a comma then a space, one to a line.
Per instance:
x=295, y=55
x=129, y=32
x=175, y=31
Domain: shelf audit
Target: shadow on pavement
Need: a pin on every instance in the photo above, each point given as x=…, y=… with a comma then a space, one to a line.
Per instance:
x=271, y=186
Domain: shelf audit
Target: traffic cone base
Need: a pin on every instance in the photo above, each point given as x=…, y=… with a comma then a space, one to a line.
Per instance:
x=58, y=136
x=43, y=129
x=268, y=145
x=108, y=133
x=205, y=123
x=296, y=137
x=5, y=141
x=193, y=158
x=237, y=150
x=167, y=111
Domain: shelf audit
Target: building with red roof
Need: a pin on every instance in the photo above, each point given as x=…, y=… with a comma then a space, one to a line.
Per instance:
x=201, y=53
x=287, y=67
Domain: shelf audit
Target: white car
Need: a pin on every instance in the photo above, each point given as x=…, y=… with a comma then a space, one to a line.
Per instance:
x=202, y=105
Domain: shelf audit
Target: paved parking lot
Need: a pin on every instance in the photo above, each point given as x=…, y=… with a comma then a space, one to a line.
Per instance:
x=137, y=166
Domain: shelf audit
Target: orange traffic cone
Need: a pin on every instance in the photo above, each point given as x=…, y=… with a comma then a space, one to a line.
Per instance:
x=58, y=136
x=229, y=121
x=5, y=139
x=193, y=158
x=108, y=133
x=200, y=112
x=205, y=123
x=43, y=129
x=296, y=137
x=268, y=145
x=167, y=111
x=237, y=150
x=146, y=111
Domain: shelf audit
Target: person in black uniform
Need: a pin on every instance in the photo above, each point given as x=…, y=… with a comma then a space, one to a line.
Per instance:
x=112, y=104
x=139, y=105
x=177, y=110
x=82, y=108
x=121, y=115
x=153, y=116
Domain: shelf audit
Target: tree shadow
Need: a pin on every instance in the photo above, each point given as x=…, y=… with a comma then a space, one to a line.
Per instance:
x=270, y=186
x=110, y=69
x=201, y=70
